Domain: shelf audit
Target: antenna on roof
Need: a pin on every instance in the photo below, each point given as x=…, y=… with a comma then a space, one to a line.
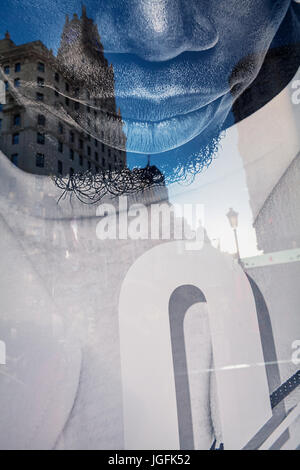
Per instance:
x=83, y=9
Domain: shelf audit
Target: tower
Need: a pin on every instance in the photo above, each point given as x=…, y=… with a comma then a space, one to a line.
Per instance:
x=81, y=60
x=66, y=122
x=81, y=56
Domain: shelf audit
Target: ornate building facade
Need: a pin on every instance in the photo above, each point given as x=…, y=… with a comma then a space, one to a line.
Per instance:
x=60, y=115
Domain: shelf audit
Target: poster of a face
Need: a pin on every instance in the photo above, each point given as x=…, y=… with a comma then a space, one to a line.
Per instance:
x=150, y=226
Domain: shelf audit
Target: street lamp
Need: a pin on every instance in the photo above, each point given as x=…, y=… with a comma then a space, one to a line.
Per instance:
x=233, y=221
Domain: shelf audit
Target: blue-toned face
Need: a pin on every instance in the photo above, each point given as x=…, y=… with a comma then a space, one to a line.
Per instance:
x=178, y=64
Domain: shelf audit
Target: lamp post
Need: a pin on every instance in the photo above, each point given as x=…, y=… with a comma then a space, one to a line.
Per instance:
x=233, y=221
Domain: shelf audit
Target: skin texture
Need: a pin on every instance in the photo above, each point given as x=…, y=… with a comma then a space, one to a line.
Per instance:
x=179, y=67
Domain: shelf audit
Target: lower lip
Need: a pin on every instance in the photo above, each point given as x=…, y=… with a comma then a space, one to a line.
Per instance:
x=158, y=137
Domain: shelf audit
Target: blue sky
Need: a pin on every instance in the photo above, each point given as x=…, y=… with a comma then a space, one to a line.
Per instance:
x=30, y=20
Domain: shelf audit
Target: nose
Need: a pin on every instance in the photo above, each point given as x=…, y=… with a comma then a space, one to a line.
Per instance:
x=159, y=30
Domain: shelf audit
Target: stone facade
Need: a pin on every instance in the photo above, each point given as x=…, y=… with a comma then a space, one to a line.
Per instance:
x=57, y=118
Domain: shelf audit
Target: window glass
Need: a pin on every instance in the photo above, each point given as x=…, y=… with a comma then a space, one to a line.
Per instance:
x=60, y=167
x=15, y=158
x=40, y=160
x=15, y=139
x=41, y=67
x=17, y=120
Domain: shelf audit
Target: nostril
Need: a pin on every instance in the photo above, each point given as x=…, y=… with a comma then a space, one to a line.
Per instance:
x=202, y=35
x=165, y=45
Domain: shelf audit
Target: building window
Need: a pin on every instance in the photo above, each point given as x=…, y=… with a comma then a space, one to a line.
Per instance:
x=39, y=97
x=80, y=160
x=41, y=120
x=56, y=77
x=67, y=101
x=18, y=67
x=102, y=148
x=89, y=150
x=71, y=171
x=41, y=67
x=81, y=143
x=89, y=165
x=41, y=81
x=96, y=143
x=14, y=158
x=60, y=167
x=6, y=86
x=56, y=92
x=40, y=138
x=60, y=128
x=103, y=161
x=0, y=124
x=1, y=107
x=109, y=153
x=17, y=120
x=67, y=87
x=71, y=154
x=15, y=138
x=76, y=105
x=6, y=69
x=40, y=160
x=88, y=109
x=60, y=146
x=96, y=157
x=17, y=82
x=72, y=137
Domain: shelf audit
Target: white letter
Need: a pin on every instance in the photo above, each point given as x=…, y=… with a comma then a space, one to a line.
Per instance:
x=198, y=223
x=123, y=218
x=296, y=354
x=138, y=228
x=165, y=210
x=296, y=94
x=2, y=92
x=2, y=353
x=107, y=227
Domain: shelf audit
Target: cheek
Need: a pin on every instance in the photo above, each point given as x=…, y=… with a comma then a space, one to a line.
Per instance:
x=247, y=26
x=246, y=31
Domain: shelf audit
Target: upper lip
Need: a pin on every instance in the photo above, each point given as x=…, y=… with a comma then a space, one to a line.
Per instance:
x=146, y=109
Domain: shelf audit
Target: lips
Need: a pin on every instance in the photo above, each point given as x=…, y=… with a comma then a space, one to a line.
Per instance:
x=164, y=135
x=162, y=104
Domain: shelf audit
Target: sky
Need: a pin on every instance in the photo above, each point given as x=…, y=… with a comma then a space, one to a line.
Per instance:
x=221, y=186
